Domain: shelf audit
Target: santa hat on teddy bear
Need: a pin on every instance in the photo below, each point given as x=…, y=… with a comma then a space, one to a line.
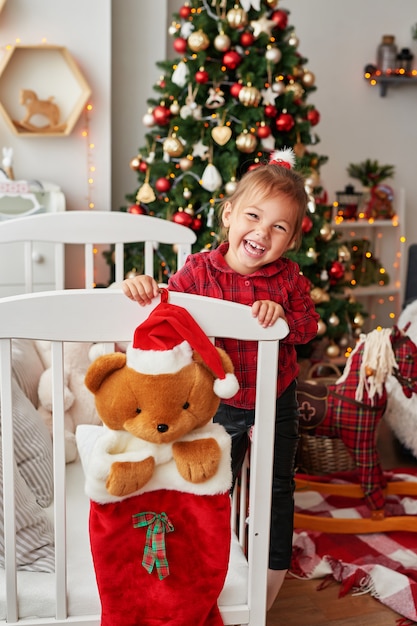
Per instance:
x=165, y=341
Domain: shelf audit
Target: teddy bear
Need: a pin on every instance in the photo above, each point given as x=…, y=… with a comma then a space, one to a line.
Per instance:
x=159, y=475
x=79, y=403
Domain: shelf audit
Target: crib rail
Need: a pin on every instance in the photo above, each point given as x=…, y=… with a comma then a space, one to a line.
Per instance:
x=108, y=316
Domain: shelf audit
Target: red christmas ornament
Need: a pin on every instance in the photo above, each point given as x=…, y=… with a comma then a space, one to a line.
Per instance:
x=235, y=90
x=183, y=218
x=280, y=18
x=232, y=59
x=306, y=224
x=137, y=209
x=270, y=110
x=143, y=166
x=263, y=131
x=162, y=185
x=336, y=271
x=246, y=39
x=201, y=77
x=197, y=224
x=184, y=12
x=180, y=45
x=284, y=122
x=313, y=117
x=161, y=115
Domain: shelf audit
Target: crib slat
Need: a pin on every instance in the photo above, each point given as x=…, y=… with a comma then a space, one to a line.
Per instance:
x=57, y=359
x=8, y=478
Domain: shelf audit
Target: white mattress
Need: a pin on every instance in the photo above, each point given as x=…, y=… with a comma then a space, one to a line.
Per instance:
x=36, y=590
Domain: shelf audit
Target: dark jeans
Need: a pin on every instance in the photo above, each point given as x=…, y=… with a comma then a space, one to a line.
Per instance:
x=237, y=423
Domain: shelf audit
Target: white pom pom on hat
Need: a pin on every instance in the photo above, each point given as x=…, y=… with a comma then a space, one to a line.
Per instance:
x=284, y=157
x=164, y=344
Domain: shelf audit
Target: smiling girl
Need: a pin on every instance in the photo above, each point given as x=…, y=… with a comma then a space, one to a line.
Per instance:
x=261, y=220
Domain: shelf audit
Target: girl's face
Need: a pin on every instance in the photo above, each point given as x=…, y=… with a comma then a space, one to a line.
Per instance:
x=260, y=231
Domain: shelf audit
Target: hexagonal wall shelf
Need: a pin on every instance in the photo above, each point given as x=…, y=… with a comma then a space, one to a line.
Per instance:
x=42, y=90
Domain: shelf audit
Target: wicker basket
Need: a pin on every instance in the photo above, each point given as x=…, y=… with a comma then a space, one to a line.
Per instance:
x=323, y=455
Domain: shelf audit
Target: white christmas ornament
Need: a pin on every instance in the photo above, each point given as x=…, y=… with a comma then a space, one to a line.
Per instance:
x=200, y=150
x=247, y=4
x=186, y=29
x=211, y=179
x=180, y=74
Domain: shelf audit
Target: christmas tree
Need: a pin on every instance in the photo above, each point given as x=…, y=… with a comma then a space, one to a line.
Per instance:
x=238, y=90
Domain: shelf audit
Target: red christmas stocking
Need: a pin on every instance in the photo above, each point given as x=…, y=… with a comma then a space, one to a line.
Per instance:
x=161, y=558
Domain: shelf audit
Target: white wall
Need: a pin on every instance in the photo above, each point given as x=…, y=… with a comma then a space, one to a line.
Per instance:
x=84, y=28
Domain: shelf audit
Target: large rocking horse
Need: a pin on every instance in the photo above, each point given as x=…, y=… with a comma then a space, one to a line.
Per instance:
x=349, y=411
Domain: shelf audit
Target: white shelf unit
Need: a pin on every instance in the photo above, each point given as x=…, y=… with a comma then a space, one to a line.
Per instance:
x=47, y=198
x=387, y=240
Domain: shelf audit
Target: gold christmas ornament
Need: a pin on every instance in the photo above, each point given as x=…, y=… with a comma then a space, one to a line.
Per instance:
x=237, y=17
x=173, y=146
x=295, y=88
x=318, y=295
x=308, y=79
x=326, y=232
x=134, y=163
x=222, y=42
x=312, y=254
x=249, y=96
x=246, y=142
x=221, y=134
x=272, y=3
x=358, y=321
x=334, y=320
x=321, y=327
x=186, y=164
x=198, y=41
x=333, y=351
x=145, y=194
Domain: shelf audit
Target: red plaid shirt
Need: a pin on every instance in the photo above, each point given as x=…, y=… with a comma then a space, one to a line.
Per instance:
x=207, y=274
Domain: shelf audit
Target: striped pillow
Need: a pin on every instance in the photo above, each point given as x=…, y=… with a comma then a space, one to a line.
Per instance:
x=33, y=488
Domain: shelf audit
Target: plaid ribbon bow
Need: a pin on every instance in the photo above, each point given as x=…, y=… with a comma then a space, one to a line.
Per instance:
x=154, y=552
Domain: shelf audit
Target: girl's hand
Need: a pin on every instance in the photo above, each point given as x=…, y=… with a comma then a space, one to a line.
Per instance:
x=140, y=288
x=267, y=312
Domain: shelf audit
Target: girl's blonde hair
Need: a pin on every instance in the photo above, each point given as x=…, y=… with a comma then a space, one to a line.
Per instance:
x=268, y=181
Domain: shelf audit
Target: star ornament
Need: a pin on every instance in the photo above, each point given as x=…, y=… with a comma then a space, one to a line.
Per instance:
x=263, y=25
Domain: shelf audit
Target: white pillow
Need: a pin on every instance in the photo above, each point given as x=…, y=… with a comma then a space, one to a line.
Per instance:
x=33, y=488
x=27, y=367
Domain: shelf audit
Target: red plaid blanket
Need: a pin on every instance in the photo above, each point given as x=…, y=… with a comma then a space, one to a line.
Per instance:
x=383, y=564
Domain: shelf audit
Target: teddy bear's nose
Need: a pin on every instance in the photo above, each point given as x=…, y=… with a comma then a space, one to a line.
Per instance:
x=162, y=428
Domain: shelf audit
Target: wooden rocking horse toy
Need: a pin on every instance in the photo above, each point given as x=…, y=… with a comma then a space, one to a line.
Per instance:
x=350, y=411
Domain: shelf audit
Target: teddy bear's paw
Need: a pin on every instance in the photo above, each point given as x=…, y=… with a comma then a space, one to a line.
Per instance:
x=197, y=461
x=127, y=477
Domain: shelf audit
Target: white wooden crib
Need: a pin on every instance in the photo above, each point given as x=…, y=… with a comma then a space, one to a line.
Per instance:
x=90, y=228
x=69, y=594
